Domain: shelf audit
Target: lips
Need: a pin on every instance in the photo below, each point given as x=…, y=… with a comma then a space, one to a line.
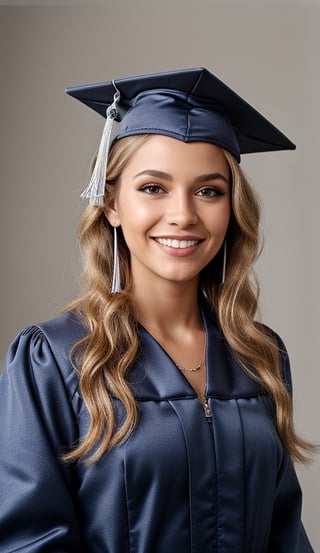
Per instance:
x=178, y=244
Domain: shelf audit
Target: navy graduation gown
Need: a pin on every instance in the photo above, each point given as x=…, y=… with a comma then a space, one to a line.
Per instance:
x=182, y=482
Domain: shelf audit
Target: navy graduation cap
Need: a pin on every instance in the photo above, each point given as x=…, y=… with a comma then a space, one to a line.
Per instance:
x=192, y=105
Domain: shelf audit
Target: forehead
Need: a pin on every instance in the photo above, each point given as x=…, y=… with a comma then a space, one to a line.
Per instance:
x=170, y=155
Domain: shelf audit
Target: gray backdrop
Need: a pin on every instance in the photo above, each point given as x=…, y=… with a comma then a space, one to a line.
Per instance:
x=267, y=50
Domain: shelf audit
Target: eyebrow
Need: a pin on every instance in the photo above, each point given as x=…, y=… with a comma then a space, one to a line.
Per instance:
x=168, y=177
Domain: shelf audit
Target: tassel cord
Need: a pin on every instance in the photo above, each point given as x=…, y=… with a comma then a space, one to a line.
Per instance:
x=96, y=188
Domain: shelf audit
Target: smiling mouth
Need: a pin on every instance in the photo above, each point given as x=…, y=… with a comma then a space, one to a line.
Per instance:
x=178, y=244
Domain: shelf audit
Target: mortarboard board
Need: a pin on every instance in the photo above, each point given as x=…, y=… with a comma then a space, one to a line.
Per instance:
x=192, y=105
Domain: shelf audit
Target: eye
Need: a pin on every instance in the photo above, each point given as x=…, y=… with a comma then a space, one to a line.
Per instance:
x=209, y=192
x=152, y=189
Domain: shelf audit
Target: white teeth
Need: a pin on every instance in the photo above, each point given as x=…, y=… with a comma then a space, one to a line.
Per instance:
x=177, y=243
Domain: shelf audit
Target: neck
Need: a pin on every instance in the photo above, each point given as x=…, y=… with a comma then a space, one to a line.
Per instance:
x=169, y=307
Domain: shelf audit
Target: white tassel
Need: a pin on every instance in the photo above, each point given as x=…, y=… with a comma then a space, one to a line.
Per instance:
x=116, y=284
x=224, y=263
x=96, y=187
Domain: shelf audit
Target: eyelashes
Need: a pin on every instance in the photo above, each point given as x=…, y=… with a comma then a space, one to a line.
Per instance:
x=210, y=192
x=205, y=192
x=152, y=189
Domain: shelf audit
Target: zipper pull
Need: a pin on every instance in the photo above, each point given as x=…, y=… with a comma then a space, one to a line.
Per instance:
x=206, y=409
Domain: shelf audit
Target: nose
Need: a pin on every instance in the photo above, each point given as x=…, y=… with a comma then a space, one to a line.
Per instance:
x=181, y=210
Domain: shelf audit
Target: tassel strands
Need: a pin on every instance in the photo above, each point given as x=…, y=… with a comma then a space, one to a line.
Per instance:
x=224, y=263
x=96, y=188
x=116, y=283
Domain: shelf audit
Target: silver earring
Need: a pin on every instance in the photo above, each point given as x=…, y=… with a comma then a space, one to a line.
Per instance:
x=224, y=262
x=116, y=284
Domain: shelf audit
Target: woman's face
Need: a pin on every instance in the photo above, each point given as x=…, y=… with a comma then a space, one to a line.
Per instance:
x=173, y=205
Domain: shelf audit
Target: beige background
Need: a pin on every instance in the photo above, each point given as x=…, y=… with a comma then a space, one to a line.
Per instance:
x=267, y=51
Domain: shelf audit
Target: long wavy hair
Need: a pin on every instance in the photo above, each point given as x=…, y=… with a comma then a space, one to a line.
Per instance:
x=105, y=355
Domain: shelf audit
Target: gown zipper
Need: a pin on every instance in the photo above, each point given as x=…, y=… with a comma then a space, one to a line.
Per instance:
x=206, y=409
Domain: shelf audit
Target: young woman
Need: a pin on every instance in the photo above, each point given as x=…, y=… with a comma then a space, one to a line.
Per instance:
x=155, y=415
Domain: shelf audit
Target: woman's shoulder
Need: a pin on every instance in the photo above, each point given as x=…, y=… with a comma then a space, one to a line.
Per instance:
x=62, y=332
x=40, y=350
x=39, y=397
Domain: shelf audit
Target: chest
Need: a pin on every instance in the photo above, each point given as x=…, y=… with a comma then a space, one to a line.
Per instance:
x=186, y=477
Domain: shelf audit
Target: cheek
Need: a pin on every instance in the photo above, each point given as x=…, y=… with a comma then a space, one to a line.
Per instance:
x=220, y=220
x=137, y=216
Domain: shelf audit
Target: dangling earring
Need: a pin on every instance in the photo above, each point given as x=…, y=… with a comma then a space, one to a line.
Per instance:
x=116, y=284
x=224, y=262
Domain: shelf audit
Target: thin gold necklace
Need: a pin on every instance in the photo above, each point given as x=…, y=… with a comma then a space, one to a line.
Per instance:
x=198, y=367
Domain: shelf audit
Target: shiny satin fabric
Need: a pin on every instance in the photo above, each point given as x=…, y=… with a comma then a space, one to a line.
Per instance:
x=189, y=104
x=182, y=482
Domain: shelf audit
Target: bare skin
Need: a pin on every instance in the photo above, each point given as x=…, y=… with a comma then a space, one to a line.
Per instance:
x=175, y=322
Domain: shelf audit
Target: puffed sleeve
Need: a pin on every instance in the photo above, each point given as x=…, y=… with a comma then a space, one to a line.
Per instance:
x=287, y=532
x=37, y=423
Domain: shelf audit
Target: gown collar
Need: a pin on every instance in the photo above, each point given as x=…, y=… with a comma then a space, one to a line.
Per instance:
x=155, y=376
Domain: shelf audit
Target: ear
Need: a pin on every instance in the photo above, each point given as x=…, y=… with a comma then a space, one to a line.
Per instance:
x=111, y=210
